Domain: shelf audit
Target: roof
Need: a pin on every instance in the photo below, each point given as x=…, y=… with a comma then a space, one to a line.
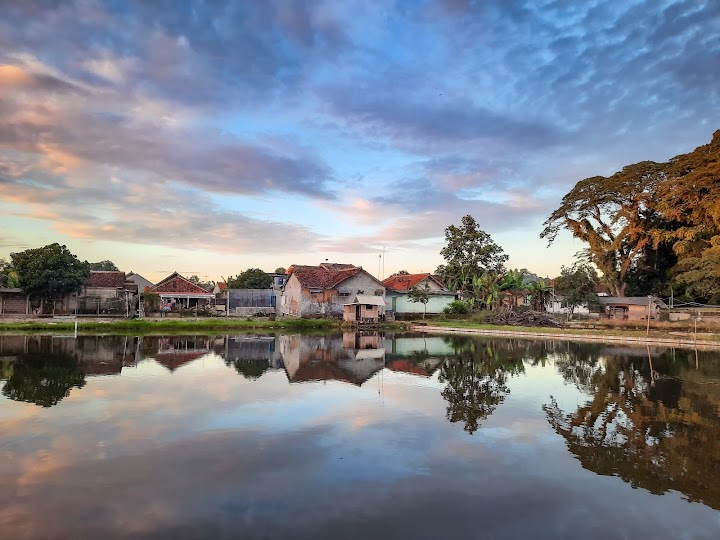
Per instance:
x=405, y=282
x=630, y=301
x=105, y=279
x=175, y=283
x=323, y=276
x=368, y=299
x=139, y=280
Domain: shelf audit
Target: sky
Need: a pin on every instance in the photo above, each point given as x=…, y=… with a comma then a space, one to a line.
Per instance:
x=207, y=137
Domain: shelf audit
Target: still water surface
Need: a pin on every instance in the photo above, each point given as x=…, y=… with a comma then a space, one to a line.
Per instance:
x=355, y=436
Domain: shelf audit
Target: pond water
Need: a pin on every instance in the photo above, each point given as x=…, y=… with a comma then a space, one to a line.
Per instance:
x=355, y=436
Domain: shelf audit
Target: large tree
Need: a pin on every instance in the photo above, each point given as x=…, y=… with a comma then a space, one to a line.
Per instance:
x=106, y=265
x=252, y=278
x=576, y=285
x=51, y=271
x=469, y=252
x=609, y=214
x=8, y=275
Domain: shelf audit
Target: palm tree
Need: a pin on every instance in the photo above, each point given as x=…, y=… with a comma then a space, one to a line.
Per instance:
x=539, y=292
x=512, y=284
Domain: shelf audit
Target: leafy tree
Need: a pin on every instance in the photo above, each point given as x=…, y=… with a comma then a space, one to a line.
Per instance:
x=51, y=271
x=280, y=270
x=469, y=252
x=402, y=273
x=104, y=265
x=420, y=294
x=539, y=291
x=43, y=378
x=701, y=274
x=8, y=276
x=577, y=286
x=252, y=278
x=609, y=214
x=513, y=285
x=486, y=289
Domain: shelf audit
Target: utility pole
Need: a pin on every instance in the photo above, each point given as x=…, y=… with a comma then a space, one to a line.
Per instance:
x=648, y=315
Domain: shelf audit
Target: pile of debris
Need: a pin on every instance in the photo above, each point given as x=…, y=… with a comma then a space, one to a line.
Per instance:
x=527, y=318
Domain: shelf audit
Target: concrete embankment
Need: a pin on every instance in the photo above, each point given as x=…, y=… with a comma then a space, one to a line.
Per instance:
x=669, y=341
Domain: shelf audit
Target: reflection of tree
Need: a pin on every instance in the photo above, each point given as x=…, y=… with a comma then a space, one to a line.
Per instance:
x=476, y=380
x=250, y=368
x=43, y=378
x=656, y=429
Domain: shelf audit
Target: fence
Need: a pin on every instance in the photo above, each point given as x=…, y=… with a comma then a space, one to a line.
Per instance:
x=245, y=298
x=112, y=307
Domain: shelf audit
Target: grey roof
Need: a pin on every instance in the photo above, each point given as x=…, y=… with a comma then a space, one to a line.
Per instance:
x=140, y=281
x=630, y=301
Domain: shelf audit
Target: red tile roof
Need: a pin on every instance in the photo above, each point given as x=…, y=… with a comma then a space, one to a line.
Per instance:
x=101, y=279
x=403, y=283
x=175, y=283
x=325, y=276
x=407, y=367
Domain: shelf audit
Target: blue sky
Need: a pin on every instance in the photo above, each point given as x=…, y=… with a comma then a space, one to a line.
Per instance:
x=211, y=136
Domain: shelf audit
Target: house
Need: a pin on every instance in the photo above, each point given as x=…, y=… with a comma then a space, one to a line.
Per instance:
x=177, y=292
x=364, y=308
x=556, y=304
x=106, y=284
x=399, y=286
x=138, y=280
x=14, y=302
x=632, y=308
x=324, y=290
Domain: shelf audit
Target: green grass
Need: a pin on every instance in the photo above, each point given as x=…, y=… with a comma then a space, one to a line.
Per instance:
x=177, y=326
x=654, y=333
x=169, y=325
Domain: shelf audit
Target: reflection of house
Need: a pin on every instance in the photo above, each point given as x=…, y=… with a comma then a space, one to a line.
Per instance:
x=325, y=289
x=320, y=358
x=176, y=352
x=631, y=307
x=175, y=291
x=398, y=287
x=423, y=367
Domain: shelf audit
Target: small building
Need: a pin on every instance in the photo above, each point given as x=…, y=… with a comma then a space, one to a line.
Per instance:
x=177, y=292
x=105, y=284
x=363, y=309
x=399, y=286
x=324, y=290
x=14, y=302
x=556, y=304
x=633, y=308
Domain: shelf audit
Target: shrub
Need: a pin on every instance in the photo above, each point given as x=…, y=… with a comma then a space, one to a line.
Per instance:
x=457, y=307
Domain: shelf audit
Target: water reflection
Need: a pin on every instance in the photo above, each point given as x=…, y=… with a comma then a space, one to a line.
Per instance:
x=653, y=418
x=271, y=434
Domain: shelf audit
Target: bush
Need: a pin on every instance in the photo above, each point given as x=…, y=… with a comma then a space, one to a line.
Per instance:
x=457, y=307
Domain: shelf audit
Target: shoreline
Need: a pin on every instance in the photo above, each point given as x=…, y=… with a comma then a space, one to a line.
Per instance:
x=708, y=344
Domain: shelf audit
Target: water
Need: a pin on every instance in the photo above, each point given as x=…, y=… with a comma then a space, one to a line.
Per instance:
x=355, y=436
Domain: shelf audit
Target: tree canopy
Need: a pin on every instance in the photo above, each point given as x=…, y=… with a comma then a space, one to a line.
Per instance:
x=8, y=275
x=469, y=252
x=576, y=285
x=646, y=218
x=108, y=266
x=50, y=271
x=252, y=278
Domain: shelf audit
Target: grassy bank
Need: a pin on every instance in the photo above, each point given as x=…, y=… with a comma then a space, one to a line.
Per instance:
x=145, y=326
x=660, y=331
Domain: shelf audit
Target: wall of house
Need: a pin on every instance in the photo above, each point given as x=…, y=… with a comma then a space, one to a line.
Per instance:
x=100, y=292
x=556, y=306
x=296, y=302
x=402, y=304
